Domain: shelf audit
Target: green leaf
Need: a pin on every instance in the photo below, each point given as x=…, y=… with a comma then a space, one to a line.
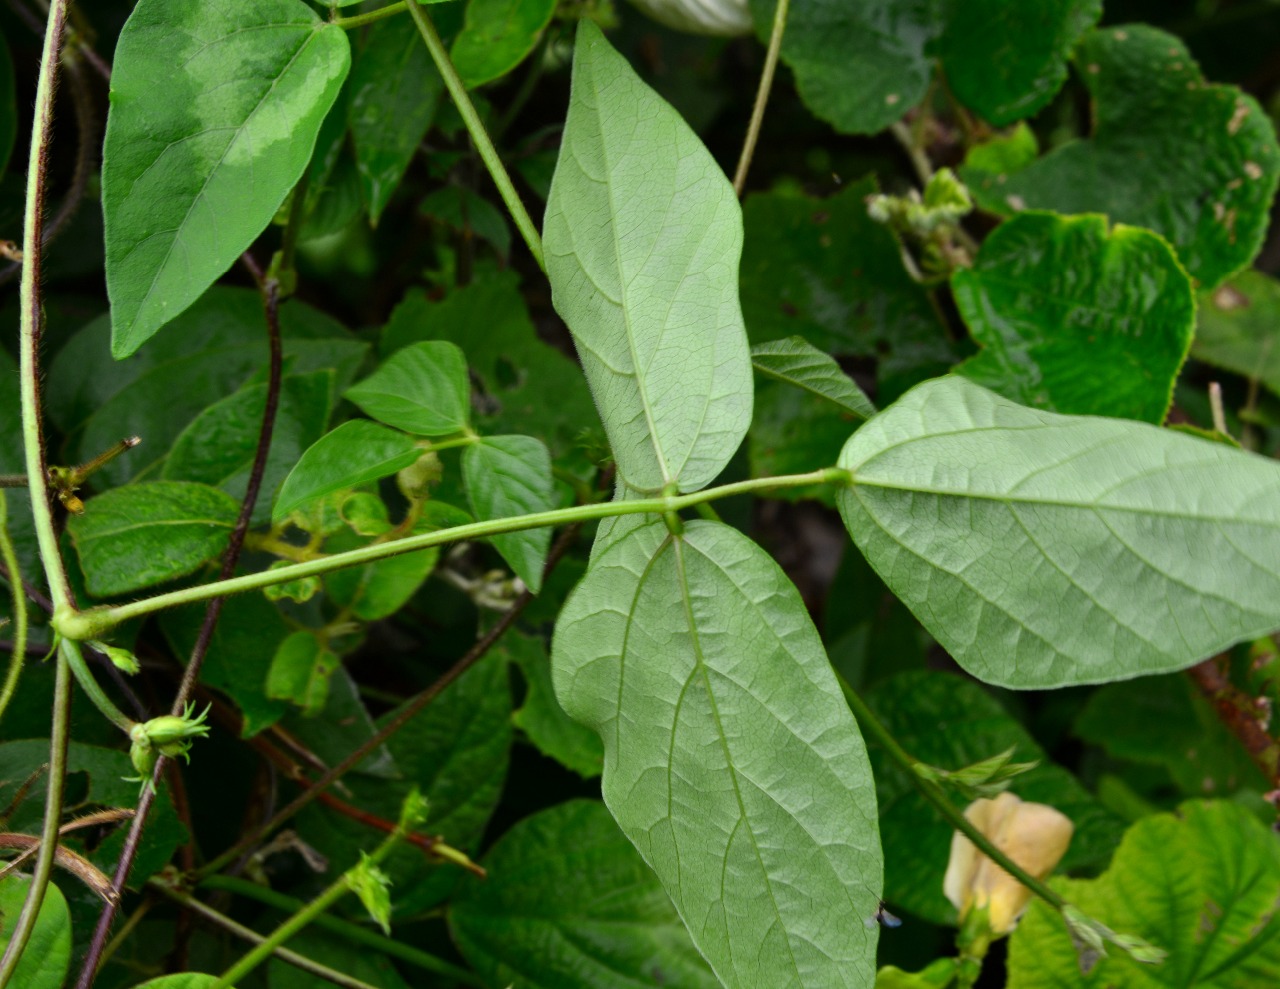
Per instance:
x=182, y=980
x=1074, y=319
x=421, y=389
x=194, y=169
x=511, y=475
x=1200, y=883
x=456, y=753
x=8, y=106
x=145, y=534
x=797, y=362
x=642, y=254
x=394, y=89
x=570, y=905
x=950, y=722
x=939, y=974
x=244, y=641
x=340, y=727
x=373, y=887
x=541, y=717
x=823, y=269
x=861, y=67
x=379, y=589
x=731, y=759
x=497, y=36
x=300, y=672
x=1195, y=162
x=463, y=210
x=47, y=957
x=355, y=453
x=370, y=967
x=211, y=350
x=219, y=446
x=1237, y=330
x=1044, y=550
x=528, y=386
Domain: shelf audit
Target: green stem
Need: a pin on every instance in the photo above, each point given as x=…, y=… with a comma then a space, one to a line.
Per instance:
x=935, y=795
x=298, y=961
x=353, y=933
x=33, y=451
x=458, y=90
x=97, y=622
x=13, y=480
x=309, y=912
x=19, y=654
x=93, y=690
x=762, y=96
x=359, y=20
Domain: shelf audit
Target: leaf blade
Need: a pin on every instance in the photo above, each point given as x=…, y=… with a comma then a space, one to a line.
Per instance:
x=421, y=389
x=511, y=475
x=797, y=362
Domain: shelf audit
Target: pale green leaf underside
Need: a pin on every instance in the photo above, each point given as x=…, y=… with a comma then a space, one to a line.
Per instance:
x=1045, y=550
x=643, y=235
x=731, y=759
x=797, y=362
x=215, y=108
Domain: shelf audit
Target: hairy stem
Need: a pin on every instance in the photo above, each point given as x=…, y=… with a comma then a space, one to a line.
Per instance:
x=497, y=171
x=18, y=653
x=935, y=795
x=33, y=451
x=89, y=684
x=762, y=96
x=344, y=929
x=96, y=622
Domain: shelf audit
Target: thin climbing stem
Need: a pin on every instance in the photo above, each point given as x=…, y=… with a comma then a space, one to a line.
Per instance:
x=762, y=96
x=96, y=622
x=18, y=654
x=488, y=153
x=359, y=20
x=33, y=450
x=89, y=684
x=935, y=795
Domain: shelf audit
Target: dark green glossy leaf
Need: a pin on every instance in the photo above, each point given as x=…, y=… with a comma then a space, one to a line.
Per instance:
x=541, y=717
x=394, y=89
x=245, y=639
x=511, y=475
x=1166, y=721
x=47, y=957
x=212, y=350
x=469, y=214
x=421, y=389
x=182, y=980
x=642, y=253
x=496, y=37
x=1195, y=162
x=570, y=905
x=1200, y=884
x=797, y=362
x=950, y=722
x=1044, y=550
x=731, y=760
x=822, y=269
x=862, y=66
x=145, y=534
x=456, y=753
x=343, y=725
x=529, y=387
x=1076, y=319
x=219, y=446
x=371, y=967
x=300, y=672
x=1239, y=321
x=194, y=169
x=355, y=453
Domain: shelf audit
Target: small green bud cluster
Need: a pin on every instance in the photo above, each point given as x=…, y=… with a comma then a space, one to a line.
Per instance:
x=169, y=735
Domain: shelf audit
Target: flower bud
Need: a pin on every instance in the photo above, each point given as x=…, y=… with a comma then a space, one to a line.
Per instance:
x=1034, y=836
x=723, y=17
x=122, y=659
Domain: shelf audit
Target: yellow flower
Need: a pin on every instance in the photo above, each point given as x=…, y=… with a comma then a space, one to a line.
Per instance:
x=1033, y=835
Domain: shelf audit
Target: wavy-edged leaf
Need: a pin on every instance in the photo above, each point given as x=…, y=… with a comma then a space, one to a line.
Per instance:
x=1240, y=326
x=643, y=236
x=44, y=962
x=144, y=534
x=511, y=475
x=1200, y=883
x=798, y=362
x=355, y=453
x=570, y=905
x=422, y=389
x=1074, y=318
x=949, y=722
x=1045, y=550
x=1197, y=163
x=195, y=167
x=731, y=759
